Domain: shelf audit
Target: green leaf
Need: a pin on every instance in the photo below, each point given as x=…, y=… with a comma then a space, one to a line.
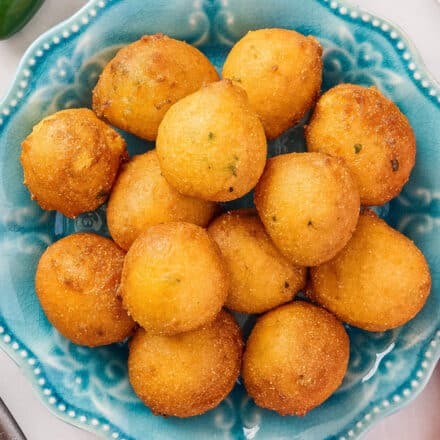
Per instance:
x=14, y=14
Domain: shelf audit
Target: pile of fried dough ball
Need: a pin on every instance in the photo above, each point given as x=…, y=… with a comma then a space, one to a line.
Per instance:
x=175, y=261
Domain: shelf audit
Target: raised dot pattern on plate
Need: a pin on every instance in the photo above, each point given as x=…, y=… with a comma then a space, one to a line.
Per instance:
x=75, y=26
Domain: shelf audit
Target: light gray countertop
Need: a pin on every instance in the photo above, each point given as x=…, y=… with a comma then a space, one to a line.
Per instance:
x=420, y=420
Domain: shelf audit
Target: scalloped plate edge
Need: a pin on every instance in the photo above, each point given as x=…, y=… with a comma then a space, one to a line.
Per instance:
x=34, y=372
x=24, y=357
x=402, y=44
x=405, y=393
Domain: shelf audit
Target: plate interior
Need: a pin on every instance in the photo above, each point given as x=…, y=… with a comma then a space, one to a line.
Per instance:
x=89, y=387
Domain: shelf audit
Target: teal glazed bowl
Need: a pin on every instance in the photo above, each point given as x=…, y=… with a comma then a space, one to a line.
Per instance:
x=89, y=387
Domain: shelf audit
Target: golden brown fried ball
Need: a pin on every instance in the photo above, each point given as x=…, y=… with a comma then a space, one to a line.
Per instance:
x=295, y=358
x=309, y=204
x=281, y=71
x=70, y=161
x=370, y=133
x=77, y=283
x=141, y=197
x=379, y=281
x=261, y=277
x=174, y=278
x=188, y=374
x=145, y=78
x=211, y=145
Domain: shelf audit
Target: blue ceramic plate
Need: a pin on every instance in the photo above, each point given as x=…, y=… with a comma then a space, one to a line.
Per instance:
x=88, y=387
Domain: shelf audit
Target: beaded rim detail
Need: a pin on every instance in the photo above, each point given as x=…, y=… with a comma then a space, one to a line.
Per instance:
x=30, y=364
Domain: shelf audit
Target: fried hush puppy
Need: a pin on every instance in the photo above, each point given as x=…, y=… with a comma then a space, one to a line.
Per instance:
x=281, y=71
x=174, y=278
x=77, y=283
x=211, y=144
x=145, y=78
x=188, y=374
x=141, y=197
x=295, y=358
x=379, y=281
x=309, y=204
x=370, y=133
x=261, y=277
x=70, y=161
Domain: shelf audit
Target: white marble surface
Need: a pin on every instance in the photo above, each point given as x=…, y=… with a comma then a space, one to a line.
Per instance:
x=418, y=421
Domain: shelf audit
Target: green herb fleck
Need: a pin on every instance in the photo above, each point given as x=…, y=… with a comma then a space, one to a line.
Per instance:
x=357, y=148
x=171, y=279
x=211, y=135
x=102, y=194
x=233, y=169
x=254, y=51
x=395, y=165
x=274, y=218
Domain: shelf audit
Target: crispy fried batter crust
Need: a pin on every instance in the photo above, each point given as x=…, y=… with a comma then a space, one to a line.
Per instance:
x=281, y=71
x=187, y=374
x=370, y=133
x=174, y=278
x=70, y=161
x=309, y=204
x=295, y=358
x=379, y=281
x=145, y=78
x=77, y=283
x=261, y=277
x=211, y=144
x=141, y=197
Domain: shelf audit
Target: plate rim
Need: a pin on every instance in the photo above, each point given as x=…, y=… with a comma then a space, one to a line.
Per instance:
x=416, y=70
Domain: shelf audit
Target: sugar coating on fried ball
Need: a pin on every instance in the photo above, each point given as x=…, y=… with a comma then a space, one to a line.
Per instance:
x=370, y=133
x=70, y=161
x=145, y=78
x=309, y=204
x=295, y=358
x=141, y=197
x=379, y=281
x=174, y=278
x=211, y=144
x=281, y=71
x=261, y=277
x=77, y=283
x=187, y=374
